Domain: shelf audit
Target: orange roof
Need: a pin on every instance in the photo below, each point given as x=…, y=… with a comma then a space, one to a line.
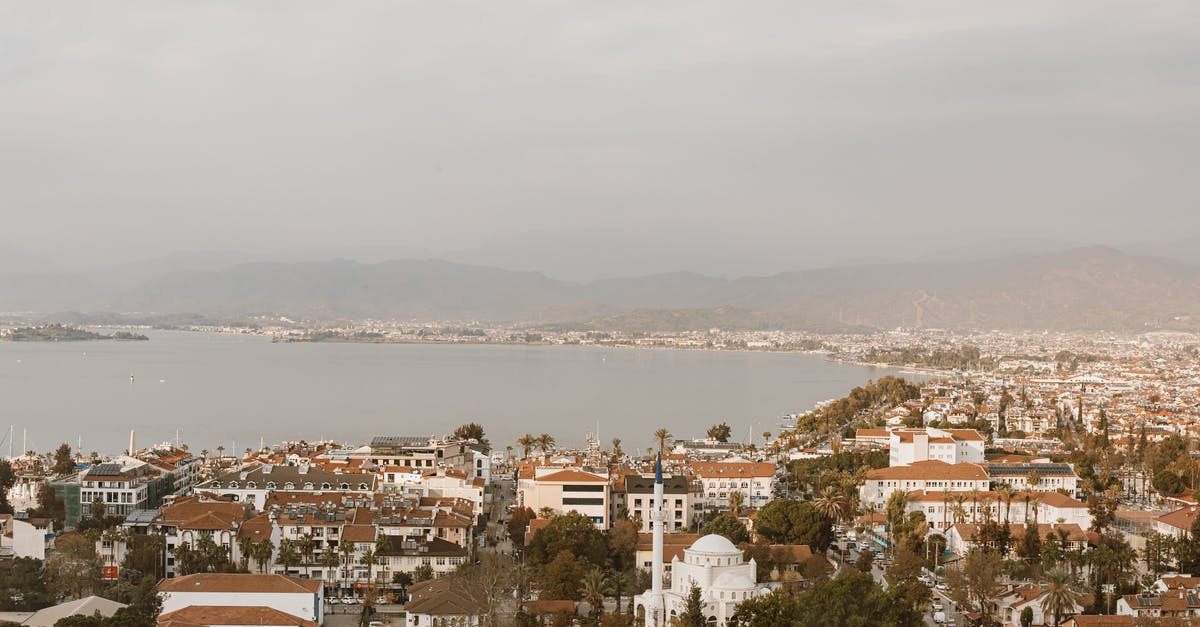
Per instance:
x=572, y=476
x=1180, y=519
x=239, y=582
x=931, y=469
x=358, y=533
x=231, y=615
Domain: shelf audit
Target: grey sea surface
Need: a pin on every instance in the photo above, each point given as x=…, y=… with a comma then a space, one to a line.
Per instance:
x=237, y=390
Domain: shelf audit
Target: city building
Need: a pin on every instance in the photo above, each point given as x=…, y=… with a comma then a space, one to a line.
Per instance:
x=568, y=490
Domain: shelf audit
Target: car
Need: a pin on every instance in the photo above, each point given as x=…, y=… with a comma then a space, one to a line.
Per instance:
x=375, y=623
x=942, y=587
x=334, y=600
x=350, y=601
x=937, y=607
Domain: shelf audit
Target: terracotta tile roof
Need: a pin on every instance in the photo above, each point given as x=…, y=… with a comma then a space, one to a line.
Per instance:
x=571, y=476
x=550, y=607
x=964, y=434
x=535, y=525
x=358, y=533
x=443, y=597
x=1180, y=581
x=257, y=529
x=1098, y=620
x=1180, y=519
x=739, y=470
x=931, y=469
x=239, y=582
x=231, y=615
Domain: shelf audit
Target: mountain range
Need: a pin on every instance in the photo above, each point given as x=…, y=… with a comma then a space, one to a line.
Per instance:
x=1077, y=288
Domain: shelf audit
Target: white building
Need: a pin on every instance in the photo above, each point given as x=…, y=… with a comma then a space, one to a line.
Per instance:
x=568, y=490
x=24, y=536
x=718, y=568
x=756, y=481
x=952, y=446
x=1050, y=477
x=303, y=598
x=923, y=475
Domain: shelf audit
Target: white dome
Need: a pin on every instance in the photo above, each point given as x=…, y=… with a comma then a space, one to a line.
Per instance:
x=714, y=543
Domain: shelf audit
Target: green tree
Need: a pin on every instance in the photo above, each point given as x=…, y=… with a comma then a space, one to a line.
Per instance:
x=572, y=532
x=853, y=600
x=64, y=464
x=787, y=521
x=1059, y=598
x=663, y=436
x=288, y=556
x=8, y=478
x=526, y=442
x=720, y=433
x=1167, y=483
x=424, y=572
x=561, y=578
x=518, y=522
x=1027, y=617
x=473, y=431
x=693, y=611
x=727, y=526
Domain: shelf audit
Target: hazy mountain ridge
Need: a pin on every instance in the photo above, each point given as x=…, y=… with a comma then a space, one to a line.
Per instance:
x=1083, y=288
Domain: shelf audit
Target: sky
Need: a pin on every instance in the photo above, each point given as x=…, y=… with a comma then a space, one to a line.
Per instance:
x=728, y=137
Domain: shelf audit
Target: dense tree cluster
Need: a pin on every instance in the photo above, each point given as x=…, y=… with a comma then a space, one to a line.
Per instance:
x=853, y=600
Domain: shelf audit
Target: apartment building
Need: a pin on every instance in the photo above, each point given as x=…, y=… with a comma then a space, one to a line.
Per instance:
x=419, y=453
x=932, y=476
x=952, y=446
x=756, y=481
x=1036, y=477
x=256, y=481
x=636, y=494
x=568, y=490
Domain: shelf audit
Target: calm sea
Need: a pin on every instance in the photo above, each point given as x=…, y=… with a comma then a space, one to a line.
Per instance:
x=232, y=391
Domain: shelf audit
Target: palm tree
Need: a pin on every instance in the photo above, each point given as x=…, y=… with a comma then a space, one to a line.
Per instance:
x=1006, y=494
x=945, y=509
x=960, y=514
x=617, y=582
x=526, y=442
x=662, y=435
x=330, y=561
x=347, y=550
x=368, y=560
x=287, y=554
x=1033, y=479
x=593, y=590
x=245, y=551
x=263, y=550
x=832, y=503
x=735, y=502
x=1035, y=504
x=306, y=546
x=204, y=453
x=545, y=443
x=1059, y=598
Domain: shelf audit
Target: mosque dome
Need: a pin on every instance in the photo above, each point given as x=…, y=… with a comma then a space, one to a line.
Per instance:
x=714, y=544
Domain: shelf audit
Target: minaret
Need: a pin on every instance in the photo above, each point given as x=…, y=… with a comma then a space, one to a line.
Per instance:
x=132, y=442
x=656, y=610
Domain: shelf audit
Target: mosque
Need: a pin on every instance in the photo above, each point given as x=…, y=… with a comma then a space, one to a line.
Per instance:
x=712, y=563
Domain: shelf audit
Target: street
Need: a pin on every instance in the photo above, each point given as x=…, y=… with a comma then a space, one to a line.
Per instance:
x=936, y=597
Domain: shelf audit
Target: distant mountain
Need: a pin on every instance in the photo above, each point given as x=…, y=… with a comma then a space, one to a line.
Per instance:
x=1081, y=288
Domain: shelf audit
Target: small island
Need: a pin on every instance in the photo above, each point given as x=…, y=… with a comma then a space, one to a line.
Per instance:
x=63, y=333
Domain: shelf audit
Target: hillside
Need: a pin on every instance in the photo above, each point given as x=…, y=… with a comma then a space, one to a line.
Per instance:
x=1083, y=288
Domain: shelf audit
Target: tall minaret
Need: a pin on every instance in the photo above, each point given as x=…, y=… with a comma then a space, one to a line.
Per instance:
x=655, y=608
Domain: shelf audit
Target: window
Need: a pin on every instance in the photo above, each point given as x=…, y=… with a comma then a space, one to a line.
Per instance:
x=308, y=485
x=233, y=485
x=270, y=485
x=326, y=486
x=362, y=486
x=251, y=485
x=289, y=486
x=344, y=486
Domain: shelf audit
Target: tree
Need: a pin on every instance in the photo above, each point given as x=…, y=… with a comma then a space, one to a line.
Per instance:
x=1103, y=510
x=593, y=586
x=736, y=500
x=1059, y=599
x=1027, y=617
x=98, y=510
x=720, y=433
x=288, y=556
x=73, y=569
x=832, y=502
x=306, y=545
x=853, y=600
x=545, y=443
x=424, y=572
x=330, y=562
x=663, y=436
x=693, y=610
x=727, y=526
x=518, y=522
x=473, y=431
x=64, y=464
x=572, y=532
x=526, y=442
x=263, y=550
x=787, y=521
x=622, y=544
x=561, y=577
x=8, y=478
x=1167, y=483
x=982, y=570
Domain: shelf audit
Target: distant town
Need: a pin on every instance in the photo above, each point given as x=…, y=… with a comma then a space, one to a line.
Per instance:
x=1035, y=479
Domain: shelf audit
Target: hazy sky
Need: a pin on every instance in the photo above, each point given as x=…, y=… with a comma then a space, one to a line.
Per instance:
x=131, y=129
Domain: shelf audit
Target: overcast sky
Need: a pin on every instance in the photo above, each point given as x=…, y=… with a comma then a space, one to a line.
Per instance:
x=834, y=129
